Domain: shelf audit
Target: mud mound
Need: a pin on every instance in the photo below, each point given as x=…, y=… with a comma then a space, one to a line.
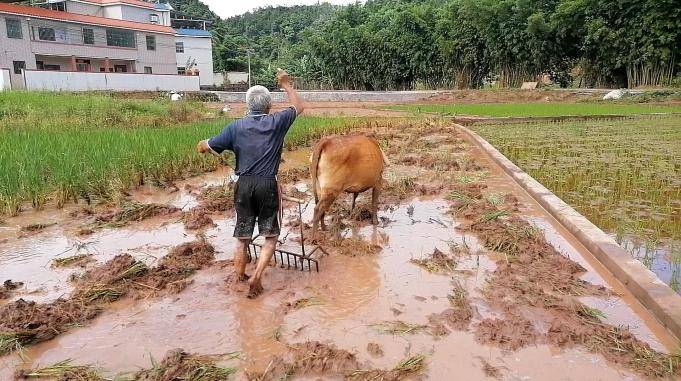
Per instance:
x=294, y=175
x=352, y=247
x=437, y=262
x=309, y=358
x=171, y=273
x=23, y=322
x=458, y=317
x=133, y=212
x=375, y=350
x=580, y=325
x=197, y=218
x=510, y=334
x=7, y=287
x=179, y=365
x=217, y=198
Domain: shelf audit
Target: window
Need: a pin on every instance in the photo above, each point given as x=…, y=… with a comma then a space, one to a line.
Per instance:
x=13, y=28
x=151, y=42
x=153, y=18
x=148, y=70
x=46, y=34
x=18, y=66
x=179, y=47
x=61, y=6
x=181, y=70
x=39, y=65
x=82, y=65
x=52, y=67
x=121, y=38
x=88, y=36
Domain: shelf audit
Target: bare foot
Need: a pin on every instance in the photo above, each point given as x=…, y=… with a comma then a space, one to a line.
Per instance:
x=374, y=220
x=255, y=290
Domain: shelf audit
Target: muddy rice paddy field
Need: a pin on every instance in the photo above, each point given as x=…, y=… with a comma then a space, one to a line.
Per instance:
x=465, y=277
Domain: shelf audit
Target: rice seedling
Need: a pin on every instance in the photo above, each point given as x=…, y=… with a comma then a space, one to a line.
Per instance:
x=90, y=147
x=540, y=109
x=623, y=175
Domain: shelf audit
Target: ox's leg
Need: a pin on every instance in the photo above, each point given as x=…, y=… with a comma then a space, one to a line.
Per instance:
x=319, y=211
x=354, y=198
x=376, y=192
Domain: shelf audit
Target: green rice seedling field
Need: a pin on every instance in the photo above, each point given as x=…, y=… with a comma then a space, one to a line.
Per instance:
x=61, y=147
x=540, y=109
x=624, y=175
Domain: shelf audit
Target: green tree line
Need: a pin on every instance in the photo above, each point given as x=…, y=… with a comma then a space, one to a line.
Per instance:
x=409, y=44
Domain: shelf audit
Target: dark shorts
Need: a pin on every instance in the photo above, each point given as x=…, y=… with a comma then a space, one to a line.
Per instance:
x=256, y=197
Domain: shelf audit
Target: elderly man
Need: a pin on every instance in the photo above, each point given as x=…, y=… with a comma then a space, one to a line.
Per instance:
x=257, y=141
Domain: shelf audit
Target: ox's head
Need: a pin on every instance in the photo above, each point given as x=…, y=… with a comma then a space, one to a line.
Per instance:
x=258, y=100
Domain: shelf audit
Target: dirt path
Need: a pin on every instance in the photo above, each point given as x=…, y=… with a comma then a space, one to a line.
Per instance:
x=395, y=295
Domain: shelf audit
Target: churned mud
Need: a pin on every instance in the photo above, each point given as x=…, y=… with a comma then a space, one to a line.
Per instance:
x=463, y=275
x=7, y=287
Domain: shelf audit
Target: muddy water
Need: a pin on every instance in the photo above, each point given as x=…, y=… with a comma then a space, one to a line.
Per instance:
x=352, y=296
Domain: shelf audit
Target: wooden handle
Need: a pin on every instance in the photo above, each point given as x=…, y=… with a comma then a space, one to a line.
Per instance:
x=292, y=199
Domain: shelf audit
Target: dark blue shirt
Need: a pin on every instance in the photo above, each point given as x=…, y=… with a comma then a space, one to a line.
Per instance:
x=257, y=141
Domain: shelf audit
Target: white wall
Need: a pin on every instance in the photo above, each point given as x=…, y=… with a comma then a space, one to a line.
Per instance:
x=201, y=50
x=5, y=83
x=79, y=81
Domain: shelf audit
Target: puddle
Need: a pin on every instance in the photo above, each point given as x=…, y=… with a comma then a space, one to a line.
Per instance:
x=664, y=258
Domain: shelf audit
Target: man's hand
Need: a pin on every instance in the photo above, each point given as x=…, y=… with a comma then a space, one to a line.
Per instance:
x=203, y=146
x=284, y=79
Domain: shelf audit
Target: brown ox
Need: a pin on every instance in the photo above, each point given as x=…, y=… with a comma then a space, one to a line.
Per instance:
x=352, y=164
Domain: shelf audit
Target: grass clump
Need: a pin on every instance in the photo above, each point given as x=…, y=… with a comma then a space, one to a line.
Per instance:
x=437, y=262
x=399, y=327
x=409, y=366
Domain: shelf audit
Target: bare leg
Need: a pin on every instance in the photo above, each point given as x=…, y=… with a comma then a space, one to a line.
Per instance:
x=241, y=258
x=265, y=256
x=374, y=203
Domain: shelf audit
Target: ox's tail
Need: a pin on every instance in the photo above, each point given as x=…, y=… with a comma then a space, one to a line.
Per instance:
x=314, y=164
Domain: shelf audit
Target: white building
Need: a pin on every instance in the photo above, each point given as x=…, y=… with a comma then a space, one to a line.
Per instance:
x=100, y=36
x=194, y=52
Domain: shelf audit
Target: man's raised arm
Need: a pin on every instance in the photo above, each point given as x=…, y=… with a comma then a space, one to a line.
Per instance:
x=285, y=81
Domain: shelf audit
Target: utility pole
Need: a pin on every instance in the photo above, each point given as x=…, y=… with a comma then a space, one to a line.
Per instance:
x=249, y=52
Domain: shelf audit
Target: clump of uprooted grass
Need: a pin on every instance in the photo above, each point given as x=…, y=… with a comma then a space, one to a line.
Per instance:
x=407, y=367
x=132, y=212
x=62, y=371
x=33, y=228
x=457, y=317
x=399, y=327
x=176, y=365
x=437, y=262
x=25, y=322
x=74, y=260
x=353, y=247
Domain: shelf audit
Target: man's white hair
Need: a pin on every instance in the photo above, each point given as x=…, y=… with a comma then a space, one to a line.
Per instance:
x=258, y=99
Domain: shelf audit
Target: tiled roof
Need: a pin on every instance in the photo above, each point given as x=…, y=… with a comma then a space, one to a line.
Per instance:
x=138, y=3
x=192, y=32
x=36, y=12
